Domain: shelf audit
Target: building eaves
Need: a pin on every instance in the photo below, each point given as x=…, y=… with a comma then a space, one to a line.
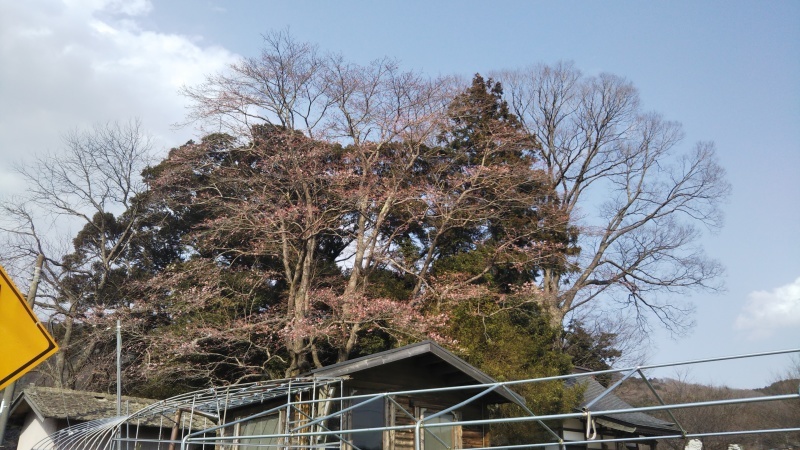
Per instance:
x=57, y=403
x=349, y=367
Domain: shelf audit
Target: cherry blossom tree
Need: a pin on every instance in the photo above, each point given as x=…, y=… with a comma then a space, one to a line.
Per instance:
x=324, y=216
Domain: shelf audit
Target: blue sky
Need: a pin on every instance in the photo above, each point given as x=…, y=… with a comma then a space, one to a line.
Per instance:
x=729, y=71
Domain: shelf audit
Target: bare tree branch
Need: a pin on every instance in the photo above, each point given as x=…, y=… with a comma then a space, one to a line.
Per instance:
x=93, y=183
x=599, y=148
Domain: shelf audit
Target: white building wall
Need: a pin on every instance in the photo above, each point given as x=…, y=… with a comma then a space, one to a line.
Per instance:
x=34, y=431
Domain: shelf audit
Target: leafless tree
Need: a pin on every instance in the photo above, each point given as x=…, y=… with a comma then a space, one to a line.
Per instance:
x=283, y=86
x=635, y=199
x=92, y=183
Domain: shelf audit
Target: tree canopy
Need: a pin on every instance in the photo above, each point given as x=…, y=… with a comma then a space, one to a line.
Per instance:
x=339, y=209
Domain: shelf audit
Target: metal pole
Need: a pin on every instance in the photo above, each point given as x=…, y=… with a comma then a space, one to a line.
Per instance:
x=8, y=392
x=119, y=381
x=119, y=369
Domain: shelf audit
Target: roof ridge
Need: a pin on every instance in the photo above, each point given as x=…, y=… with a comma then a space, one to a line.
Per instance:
x=76, y=392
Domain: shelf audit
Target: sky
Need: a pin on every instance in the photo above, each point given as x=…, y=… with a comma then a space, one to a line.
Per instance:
x=729, y=71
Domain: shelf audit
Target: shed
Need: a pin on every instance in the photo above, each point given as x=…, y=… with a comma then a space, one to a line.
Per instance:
x=417, y=367
x=41, y=411
x=417, y=381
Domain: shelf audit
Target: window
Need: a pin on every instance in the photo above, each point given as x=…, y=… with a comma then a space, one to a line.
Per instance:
x=439, y=437
x=267, y=425
x=370, y=414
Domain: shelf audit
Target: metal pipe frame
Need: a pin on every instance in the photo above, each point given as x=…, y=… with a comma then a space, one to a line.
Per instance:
x=214, y=404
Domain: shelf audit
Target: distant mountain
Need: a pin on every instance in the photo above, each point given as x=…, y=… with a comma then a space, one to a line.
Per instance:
x=781, y=387
x=720, y=418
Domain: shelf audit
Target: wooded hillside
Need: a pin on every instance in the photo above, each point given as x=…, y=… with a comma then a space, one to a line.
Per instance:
x=708, y=419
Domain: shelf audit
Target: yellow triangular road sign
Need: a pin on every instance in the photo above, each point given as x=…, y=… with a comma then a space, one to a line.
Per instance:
x=24, y=341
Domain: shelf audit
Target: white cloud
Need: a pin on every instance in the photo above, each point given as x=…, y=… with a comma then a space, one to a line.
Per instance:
x=70, y=63
x=767, y=311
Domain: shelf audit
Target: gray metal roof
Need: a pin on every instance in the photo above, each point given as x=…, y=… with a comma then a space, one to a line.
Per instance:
x=472, y=375
x=594, y=389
